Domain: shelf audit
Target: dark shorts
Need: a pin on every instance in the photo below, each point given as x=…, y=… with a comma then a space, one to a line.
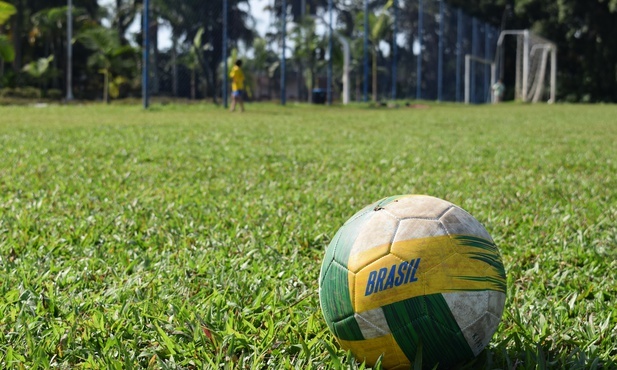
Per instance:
x=237, y=94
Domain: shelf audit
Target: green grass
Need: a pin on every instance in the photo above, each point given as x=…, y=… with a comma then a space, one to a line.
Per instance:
x=189, y=237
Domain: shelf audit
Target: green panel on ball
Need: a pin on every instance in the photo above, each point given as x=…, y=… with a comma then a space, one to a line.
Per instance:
x=427, y=319
x=334, y=294
x=348, y=329
x=329, y=257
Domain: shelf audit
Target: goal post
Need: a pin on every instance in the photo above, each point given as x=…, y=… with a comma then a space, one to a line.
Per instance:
x=473, y=59
x=532, y=60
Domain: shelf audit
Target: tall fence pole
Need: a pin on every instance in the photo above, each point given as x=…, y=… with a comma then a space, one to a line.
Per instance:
x=474, y=52
x=394, y=48
x=459, y=52
x=284, y=36
x=420, y=36
x=330, y=31
x=440, y=51
x=146, y=57
x=69, y=51
x=487, y=68
x=225, y=73
x=366, y=31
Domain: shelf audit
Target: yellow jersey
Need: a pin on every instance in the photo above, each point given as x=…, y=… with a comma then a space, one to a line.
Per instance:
x=237, y=78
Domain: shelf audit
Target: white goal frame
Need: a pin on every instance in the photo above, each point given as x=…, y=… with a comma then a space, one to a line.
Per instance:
x=468, y=59
x=530, y=82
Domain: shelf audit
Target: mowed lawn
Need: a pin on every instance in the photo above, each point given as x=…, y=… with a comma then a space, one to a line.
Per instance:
x=189, y=237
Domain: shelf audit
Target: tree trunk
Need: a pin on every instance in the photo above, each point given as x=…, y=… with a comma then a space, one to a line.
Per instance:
x=16, y=33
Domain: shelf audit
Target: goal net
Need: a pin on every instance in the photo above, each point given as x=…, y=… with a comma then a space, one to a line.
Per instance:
x=534, y=56
x=471, y=66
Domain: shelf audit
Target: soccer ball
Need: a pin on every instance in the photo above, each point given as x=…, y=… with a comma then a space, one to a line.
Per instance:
x=412, y=275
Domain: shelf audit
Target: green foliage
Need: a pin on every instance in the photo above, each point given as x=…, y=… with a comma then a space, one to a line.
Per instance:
x=39, y=67
x=7, y=53
x=380, y=28
x=114, y=60
x=583, y=31
x=41, y=70
x=21, y=93
x=309, y=50
x=6, y=11
x=193, y=59
x=186, y=237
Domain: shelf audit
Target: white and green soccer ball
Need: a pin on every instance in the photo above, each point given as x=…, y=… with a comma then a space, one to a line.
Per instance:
x=412, y=274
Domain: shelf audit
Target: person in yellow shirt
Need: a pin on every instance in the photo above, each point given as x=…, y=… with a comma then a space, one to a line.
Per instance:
x=237, y=86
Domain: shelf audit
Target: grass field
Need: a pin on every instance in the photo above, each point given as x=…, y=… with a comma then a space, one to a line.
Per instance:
x=189, y=237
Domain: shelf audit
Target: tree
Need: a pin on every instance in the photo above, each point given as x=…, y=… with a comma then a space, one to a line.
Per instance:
x=7, y=53
x=380, y=27
x=584, y=31
x=309, y=50
x=50, y=26
x=172, y=13
x=41, y=71
x=6, y=11
x=109, y=57
x=262, y=60
x=299, y=8
x=191, y=59
x=191, y=15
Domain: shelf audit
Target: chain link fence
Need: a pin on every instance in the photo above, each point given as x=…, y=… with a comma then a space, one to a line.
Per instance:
x=319, y=51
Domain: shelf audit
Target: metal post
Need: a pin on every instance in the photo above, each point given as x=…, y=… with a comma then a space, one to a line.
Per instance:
x=366, y=31
x=225, y=73
x=440, y=55
x=284, y=36
x=474, y=52
x=553, y=73
x=467, y=77
x=459, y=52
x=394, y=48
x=146, y=57
x=329, y=87
x=493, y=81
x=525, y=64
x=420, y=36
x=487, y=50
x=69, y=51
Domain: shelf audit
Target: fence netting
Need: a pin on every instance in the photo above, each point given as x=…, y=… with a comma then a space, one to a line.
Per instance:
x=293, y=50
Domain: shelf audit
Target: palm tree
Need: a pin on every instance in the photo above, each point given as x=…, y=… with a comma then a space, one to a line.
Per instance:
x=122, y=14
x=380, y=27
x=189, y=16
x=48, y=25
x=192, y=60
x=7, y=53
x=351, y=23
x=41, y=70
x=263, y=59
x=6, y=11
x=109, y=56
x=309, y=49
